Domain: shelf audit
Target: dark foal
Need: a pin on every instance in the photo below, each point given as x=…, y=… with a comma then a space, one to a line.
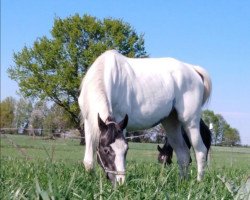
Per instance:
x=166, y=152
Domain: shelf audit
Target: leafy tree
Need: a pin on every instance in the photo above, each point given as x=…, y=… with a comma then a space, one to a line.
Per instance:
x=7, y=112
x=22, y=114
x=38, y=115
x=209, y=117
x=53, y=68
x=223, y=133
x=57, y=119
x=231, y=136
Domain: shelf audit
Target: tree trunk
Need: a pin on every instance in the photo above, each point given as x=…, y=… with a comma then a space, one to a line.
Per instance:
x=82, y=133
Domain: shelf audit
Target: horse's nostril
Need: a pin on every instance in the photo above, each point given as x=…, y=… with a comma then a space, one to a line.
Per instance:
x=120, y=179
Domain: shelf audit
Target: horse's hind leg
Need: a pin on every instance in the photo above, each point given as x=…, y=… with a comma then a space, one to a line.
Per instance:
x=176, y=140
x=189, y=112
x=193, y=132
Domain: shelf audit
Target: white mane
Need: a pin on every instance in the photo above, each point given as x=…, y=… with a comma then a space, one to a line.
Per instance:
x=93, y=92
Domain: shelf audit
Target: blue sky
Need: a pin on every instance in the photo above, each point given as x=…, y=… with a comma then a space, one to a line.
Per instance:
x=212, y=34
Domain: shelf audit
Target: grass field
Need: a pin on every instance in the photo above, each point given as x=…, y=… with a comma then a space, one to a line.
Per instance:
x=52, y=169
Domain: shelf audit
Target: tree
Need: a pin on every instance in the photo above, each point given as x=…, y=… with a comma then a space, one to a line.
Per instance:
x=7, y=113
x=53, y=68
x=22, y=113
x=223, y=133
x=57, y=119
x=231, y=136
x=209, y=117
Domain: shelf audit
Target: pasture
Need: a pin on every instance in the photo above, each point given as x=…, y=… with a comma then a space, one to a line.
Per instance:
x=53, y=169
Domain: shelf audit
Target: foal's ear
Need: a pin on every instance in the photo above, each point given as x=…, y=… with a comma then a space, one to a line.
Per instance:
x=124, y=122
x=102, y=126
x=159, y=148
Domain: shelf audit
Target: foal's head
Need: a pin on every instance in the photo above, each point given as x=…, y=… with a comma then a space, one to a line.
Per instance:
x=165, y=154
x=112, y=149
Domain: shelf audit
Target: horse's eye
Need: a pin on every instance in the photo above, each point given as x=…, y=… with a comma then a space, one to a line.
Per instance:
x=106, y=150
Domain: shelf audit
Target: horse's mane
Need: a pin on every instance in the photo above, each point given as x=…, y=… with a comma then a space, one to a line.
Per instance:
x=93, y=81
x=93, y=92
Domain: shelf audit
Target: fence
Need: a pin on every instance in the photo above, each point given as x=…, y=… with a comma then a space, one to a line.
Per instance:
x=58, y=133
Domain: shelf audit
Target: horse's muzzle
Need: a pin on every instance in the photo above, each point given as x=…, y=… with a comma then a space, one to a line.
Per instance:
x=120, y=179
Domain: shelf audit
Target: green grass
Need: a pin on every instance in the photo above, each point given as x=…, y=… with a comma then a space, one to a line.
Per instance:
x=52, y=169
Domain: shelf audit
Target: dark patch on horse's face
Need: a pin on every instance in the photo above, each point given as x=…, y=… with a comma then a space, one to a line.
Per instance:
x=108, y=158
x=110, y=133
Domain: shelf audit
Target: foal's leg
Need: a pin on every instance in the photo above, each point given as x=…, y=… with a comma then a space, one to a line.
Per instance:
x=89, y=148
x=176, y=140
x=193, y=131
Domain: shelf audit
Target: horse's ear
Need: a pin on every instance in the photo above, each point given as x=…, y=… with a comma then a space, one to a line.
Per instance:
x=123, y=124
x=102, y=126
x=159, y=148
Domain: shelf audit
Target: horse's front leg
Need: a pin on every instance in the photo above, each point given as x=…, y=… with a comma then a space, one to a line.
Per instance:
x=176, y=140
x=89, y=148
x=182, y=153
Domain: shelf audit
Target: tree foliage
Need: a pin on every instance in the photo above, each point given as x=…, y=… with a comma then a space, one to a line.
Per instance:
x=57, y=119
x=231, y=136
x=53, y=67
x=7, y=112
x=38, y=115
x=223, y=133
x=22, y=114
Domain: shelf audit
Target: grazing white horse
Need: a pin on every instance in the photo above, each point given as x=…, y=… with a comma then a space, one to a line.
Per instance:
x=150, y=91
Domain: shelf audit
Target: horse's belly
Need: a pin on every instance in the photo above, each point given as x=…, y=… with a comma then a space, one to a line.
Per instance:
x=148, y=101
x=146, y=114
x=148, y=118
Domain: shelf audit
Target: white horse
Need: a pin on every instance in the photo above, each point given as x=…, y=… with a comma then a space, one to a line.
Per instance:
x=150, y=91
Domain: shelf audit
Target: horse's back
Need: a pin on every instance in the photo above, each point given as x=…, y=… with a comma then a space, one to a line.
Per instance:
x=164, y=84
x=143, y=88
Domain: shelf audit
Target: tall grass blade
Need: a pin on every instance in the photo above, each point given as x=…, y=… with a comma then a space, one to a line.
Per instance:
x=70, y=184
x=40, y=193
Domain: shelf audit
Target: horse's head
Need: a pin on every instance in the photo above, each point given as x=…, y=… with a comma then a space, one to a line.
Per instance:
x=165, y=154
x=112, y=149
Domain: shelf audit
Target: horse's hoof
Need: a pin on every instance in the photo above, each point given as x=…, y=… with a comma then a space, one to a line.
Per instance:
x=199, y=178
x=88, y=166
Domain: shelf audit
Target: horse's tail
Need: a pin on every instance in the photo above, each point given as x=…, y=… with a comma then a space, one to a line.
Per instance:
x=206, y=81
